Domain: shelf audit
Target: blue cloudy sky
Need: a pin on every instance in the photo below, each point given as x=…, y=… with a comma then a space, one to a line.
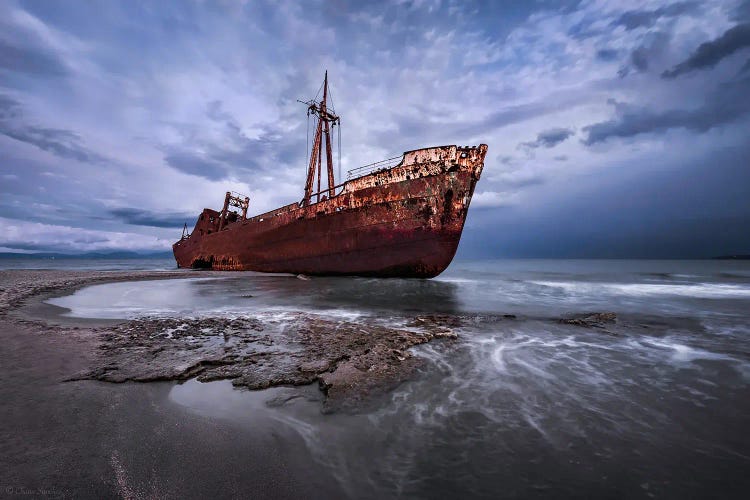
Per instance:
x=615, y=129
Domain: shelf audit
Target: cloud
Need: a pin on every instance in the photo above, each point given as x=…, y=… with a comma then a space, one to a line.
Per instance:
x=550, y=138
x=639, y=58
x=491, y=199
x=269, y=148
x=62, y=143
x=196, y=164
x=742, y=11
x=721, y=107
x=607, y=54
x=30, y=61
x=708, y=54
x=9, y=108
x=183, y=102
x=693, y=206
x=26, y=235
x=229, y=149
x=505, y=116
x=139, y=217
x=633, y=19
x=654, y=46
x=514, y=178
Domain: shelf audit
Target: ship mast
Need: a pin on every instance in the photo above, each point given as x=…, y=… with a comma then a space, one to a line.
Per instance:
x=326, y=121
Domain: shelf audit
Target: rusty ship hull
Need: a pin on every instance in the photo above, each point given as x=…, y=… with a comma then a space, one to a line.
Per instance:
x=401, y=221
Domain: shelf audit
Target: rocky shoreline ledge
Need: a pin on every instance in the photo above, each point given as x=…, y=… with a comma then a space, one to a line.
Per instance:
x=350, y=361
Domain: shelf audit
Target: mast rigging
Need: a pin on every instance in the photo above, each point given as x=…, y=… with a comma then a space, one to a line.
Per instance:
x=326, y=121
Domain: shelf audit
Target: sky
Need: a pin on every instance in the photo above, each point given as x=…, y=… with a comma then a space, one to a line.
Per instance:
x=615, y=129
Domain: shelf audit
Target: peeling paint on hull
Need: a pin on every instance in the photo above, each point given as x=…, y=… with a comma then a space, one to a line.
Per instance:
x=403, y=221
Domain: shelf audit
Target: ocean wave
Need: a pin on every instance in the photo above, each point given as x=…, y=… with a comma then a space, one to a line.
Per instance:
x=700, y=290
x=446, y=279
x=683, y=353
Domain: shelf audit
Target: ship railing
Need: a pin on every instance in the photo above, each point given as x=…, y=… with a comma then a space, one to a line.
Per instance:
x=337, y=190
x=373, y=167
x=354, y=174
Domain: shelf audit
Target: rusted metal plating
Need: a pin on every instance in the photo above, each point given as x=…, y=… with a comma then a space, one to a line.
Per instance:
x=233, y=200
x=404, y=221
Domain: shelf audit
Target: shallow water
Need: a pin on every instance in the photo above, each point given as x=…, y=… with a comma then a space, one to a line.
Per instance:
x=520, y=407
x=83, y=264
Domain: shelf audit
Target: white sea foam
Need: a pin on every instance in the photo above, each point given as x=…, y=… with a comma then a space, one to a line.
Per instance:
x=455, y=280
x=686, y=354
x=702, y=290
x=498, y=358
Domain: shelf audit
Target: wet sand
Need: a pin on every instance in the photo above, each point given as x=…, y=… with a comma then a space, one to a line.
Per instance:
x=98, y=440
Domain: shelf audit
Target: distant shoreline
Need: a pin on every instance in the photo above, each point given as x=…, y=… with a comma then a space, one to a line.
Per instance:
x=169, y=255
x=89, y=255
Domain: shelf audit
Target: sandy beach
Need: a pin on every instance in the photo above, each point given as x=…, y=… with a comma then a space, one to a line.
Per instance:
x=93, y=439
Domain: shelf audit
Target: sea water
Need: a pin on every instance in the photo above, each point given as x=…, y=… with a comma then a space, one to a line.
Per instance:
x=87, y=264
x=519, y=407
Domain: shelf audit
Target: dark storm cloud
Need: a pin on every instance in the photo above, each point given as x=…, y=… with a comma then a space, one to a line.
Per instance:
x=725, y=105
x=411, y=126
x=72, y=244
x=549, y=138
x=639, y=58
x=677, y=213
x=606, y=55
x=514, y=114
x=139, y=217
x=234, y=152
x=62, y=143
x=519, y=183
x=408, y=127
x=642, y=56
x=88, y=239
x=196, y=164
x=708, y=54
x=632, y=19
x=39, y=247
x=742, y=12
x=29, y=60
x=69, y=243
x=9, y=108
x=215, y=111
x=256, y=153
x=583, y=30
x=646, y=18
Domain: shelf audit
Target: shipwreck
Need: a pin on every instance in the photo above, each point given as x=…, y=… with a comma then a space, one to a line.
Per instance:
x=397, y=217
